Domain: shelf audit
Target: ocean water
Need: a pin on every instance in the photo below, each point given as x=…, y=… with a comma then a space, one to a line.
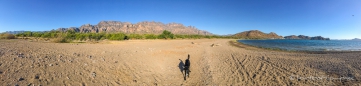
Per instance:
x=306, y=45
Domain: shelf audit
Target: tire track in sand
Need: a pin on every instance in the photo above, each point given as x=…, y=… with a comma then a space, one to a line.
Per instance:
x=244, y=69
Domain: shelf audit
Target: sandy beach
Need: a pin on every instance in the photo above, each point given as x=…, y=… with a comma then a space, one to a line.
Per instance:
x=156, y=62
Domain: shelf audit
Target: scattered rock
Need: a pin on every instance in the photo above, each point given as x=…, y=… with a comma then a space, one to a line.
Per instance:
x=21, y=55
x=76, y=54
x=50, y=64
x=21, y=79
x=94, y=74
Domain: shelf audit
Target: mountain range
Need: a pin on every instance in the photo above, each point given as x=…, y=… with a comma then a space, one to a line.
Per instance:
x=306, y=37
x=152, y=27
x=138, y=28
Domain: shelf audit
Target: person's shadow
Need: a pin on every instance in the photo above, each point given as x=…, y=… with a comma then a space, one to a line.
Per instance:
x=181, y=68
x=181, y=65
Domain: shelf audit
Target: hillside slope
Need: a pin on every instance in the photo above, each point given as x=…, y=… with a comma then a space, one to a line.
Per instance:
x=256, y=34
x=138, y=28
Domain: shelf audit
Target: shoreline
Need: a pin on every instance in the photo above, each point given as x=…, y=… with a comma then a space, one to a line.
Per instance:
x=242, y=45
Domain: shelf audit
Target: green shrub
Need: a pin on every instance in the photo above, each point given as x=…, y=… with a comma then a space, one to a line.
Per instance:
x=166, y=35
x=62, y=37
x=117, y=36
x=135, y=36
x=37, y=34
x=28, y=34
x=60, y=40
x=46, y=35
x=150, y=36
x=179, y=36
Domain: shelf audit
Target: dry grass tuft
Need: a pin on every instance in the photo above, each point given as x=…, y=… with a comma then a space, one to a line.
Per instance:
x=60, y=40
x=7, y=36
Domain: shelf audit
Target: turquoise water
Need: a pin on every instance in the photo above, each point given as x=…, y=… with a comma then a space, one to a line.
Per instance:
x=307, y=45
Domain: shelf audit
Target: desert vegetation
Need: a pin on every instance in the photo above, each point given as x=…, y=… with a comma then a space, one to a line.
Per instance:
x=70, y=35
x=7, y=36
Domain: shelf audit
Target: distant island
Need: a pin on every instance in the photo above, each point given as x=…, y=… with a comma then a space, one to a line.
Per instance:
x=303, y=37
x=357, y=39
x=256, y=34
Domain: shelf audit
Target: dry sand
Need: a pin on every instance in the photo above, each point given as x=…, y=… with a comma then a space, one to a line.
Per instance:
x=156, y=62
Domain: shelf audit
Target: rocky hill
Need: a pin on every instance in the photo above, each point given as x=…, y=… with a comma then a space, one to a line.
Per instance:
x=138, y=28
x=306, y=37
x=255, y=34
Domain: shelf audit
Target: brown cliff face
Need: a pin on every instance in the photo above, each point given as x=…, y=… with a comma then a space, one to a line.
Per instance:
x=138, y=28
x=255, y=34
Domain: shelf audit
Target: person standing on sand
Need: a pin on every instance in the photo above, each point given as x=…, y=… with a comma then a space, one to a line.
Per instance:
x=187, y=65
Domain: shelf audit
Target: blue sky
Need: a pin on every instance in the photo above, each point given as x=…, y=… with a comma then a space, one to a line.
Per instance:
x=337, y=19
